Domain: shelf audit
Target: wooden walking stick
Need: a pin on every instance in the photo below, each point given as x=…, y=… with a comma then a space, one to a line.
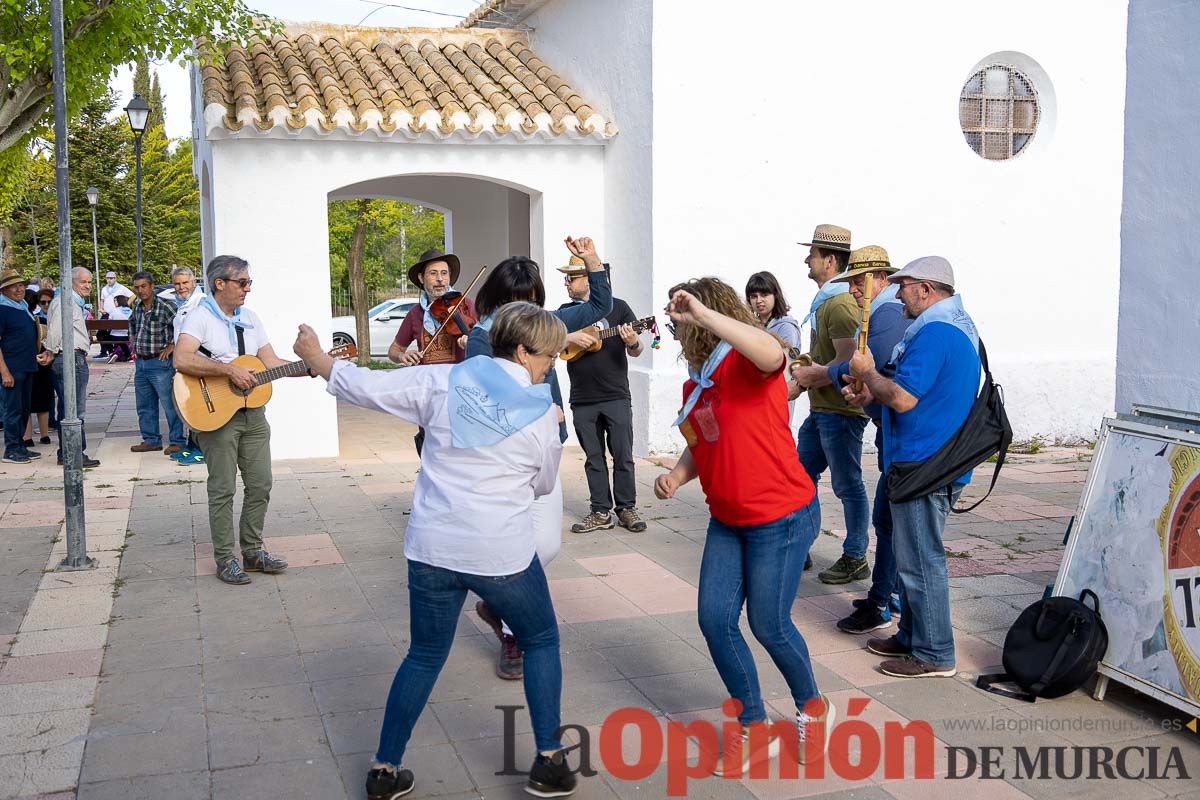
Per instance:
x=868, y=286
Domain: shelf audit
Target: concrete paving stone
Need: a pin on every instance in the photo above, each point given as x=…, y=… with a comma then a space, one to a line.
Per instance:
x=51, y=666
x=180, y=786
x=252, y=673
x=222, y=645
x=345, y=608
x=654, y=658
x=995, y=585
x=155, y=685
x=358, y=731
x=235, y=742
x=40, y=772
x=267, y=702
x=933, y=698
x=267, y=623
x=655, y=786
x=180, y=746
x=62, y=640
x=352, y=694
x=136, y=657
x=316, y=638
x=981, y=614
x=437, y=768
x=31, y=698
x=146, y=716
x=152, y=630
x=137, y=567
x=311, y=777
x=477, y=718
x=68, y=608
x=23, y=733
x=349, y=662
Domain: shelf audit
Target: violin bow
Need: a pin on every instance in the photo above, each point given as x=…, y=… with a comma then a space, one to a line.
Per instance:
x=453, y=311
x=868, y=285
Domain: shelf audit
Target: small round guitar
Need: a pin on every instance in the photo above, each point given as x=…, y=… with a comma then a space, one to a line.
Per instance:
x=570, y=353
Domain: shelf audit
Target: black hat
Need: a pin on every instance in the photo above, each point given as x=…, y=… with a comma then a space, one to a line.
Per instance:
x=414, y=272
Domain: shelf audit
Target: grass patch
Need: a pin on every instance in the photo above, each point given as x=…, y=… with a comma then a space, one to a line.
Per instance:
x=957, y=554
x=104, y=486
x=180, y=482
x=373, y=364
x=1030, y=447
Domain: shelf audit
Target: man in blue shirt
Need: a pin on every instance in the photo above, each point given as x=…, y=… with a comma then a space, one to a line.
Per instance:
x=18, y=363
x=887, y=325
x=929, y=397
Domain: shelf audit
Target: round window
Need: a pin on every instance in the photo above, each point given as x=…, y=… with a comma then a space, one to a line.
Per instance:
x=998, y=111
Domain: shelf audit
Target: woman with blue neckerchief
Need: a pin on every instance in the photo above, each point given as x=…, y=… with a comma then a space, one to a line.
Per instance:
x=491, y=448
x=734, y=420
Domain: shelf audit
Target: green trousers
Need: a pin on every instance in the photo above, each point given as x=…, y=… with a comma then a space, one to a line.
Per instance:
x=243, y=443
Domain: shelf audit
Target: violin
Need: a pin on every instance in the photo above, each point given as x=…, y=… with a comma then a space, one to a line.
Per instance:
x=451, y=314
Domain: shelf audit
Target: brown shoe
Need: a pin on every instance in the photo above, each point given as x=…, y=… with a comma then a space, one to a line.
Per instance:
x=912, y=667
x=144, y=448
x=889, y=647
x=172, y=450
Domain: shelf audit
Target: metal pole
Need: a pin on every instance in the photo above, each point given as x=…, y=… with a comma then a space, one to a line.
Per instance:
x=137, y=203
x=96, y=256
x=71, y=427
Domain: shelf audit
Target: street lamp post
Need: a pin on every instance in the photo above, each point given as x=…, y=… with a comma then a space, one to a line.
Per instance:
x=93, y=196
x=138, y=112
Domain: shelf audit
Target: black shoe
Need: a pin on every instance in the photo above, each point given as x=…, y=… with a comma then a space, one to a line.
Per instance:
x=864, y=620
x=28, y=442
x=383, y=784
x=888, y=648
x=262, y=561
x=44, y=440
x=88, y=463
x=893, y=605
x=32, y=453
x=550, y=777
x=231, y=572
x=807, y=563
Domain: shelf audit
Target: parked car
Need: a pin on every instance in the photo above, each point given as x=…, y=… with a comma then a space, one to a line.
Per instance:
x=385, y=320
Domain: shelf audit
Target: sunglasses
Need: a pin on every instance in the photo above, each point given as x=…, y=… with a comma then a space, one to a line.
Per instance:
x=245, y=283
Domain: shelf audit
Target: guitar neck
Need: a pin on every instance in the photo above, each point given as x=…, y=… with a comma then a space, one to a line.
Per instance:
x=638, y=327
x=288, y=370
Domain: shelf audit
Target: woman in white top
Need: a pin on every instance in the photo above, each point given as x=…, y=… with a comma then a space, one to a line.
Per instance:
x=491, y=447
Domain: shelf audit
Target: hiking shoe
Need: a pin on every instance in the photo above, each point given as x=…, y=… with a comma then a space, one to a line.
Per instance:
x=34, y=454
x=809, y=754
x=629, y=519
x=736, y=756
x=231, y=572
x=845, y=569
x=262, y=561
x=865, y=619
x=17, y=457
x=383, y=784
x=892, y=610
x=490, y=617
x=510, y=665
x=910, y=666
x=550, y=776
x=144, y=447
x=172, y=450
x=188, y=457
x=889, y=647
x=595, y=521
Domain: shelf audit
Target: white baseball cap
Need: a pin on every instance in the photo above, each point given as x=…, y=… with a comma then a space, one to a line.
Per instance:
x=110, y=274
x=926, y=268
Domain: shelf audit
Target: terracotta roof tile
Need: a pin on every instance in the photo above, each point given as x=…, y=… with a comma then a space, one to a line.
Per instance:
x=411, y=82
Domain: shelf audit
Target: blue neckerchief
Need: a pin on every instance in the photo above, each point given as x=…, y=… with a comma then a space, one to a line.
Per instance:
x=485, y=322
x=829, y=290
x=703, y=378
x=949, y=310
x=431, y=324
x=885, y=297
x=5, y=300
x=230, y=322
x=487, y=405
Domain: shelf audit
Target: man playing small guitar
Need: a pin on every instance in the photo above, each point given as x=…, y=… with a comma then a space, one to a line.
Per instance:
x=218, y=331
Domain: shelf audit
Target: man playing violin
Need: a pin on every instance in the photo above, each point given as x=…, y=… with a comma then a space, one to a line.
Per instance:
x=435, y=275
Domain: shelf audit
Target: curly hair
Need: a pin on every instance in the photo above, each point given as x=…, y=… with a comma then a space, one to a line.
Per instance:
x=697, y=342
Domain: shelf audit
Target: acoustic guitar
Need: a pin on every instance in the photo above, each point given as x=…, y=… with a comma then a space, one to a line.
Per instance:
x=572, y=352
x=207, y=403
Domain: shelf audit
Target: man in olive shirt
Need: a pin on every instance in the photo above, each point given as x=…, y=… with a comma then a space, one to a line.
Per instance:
x=831, y=436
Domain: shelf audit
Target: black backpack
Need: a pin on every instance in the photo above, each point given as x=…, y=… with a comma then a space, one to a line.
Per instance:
x=1052, y=648
x=986, y=432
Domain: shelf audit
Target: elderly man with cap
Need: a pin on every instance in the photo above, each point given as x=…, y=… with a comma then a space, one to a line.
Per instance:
x=18, y=365
x=936, y=379
x=831, y=436
x=109, y=293
x=887, y=325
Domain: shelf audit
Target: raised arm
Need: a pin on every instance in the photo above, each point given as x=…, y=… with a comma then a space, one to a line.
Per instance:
x=759, y=347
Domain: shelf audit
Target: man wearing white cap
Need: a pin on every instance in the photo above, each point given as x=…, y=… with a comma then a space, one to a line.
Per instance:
x=109, y=293
x=936, y=379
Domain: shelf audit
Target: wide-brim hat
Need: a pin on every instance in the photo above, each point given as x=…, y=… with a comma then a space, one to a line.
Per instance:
x=10, y=276
x=574, y=267
x=830, y=237
x=414, y=272
x=871, y=258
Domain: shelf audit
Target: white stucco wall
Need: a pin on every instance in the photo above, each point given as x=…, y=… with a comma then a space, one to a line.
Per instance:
x=1160, y=241
x=270, y=199
x=848, y=113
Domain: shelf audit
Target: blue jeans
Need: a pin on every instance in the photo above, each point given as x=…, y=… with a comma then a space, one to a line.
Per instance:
x=760, y=566
x=152, y=388
x=435, y=597
x=921, y=566
x=834, y=441
x=883, y=574
x=14, y=406
x=81, y=382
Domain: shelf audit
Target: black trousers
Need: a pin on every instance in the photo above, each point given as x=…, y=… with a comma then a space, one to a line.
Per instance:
x=597, y=425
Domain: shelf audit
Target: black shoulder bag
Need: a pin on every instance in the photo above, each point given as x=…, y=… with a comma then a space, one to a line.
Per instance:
x=986, y=432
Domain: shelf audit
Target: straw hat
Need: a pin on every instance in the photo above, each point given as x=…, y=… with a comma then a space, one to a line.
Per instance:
x=871, y=258
x=414, y=272
x=575, y=267
x=8, y=277
x=830, y=237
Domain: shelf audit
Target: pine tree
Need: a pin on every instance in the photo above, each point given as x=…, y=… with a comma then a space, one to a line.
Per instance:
x=158, y=113
x=141, y=79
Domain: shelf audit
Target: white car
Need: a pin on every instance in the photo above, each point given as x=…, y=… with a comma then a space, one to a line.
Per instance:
x=384, y=320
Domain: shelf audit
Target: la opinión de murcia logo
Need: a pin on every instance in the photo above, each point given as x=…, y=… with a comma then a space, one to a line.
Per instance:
x=691, y=751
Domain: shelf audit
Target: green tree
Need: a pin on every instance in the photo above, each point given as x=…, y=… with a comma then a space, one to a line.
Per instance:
x=396, y=234
x=158, y=111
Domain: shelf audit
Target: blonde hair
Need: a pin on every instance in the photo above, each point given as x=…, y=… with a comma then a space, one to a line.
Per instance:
x=697, y=342
x=522, y=323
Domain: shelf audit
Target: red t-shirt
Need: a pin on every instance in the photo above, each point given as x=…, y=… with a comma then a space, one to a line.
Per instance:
x=751, y=474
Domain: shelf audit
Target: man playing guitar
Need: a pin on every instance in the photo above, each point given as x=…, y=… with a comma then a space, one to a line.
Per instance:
x=214, y=334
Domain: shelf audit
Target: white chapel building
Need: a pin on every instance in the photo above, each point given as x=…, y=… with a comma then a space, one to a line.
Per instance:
x=696, y=138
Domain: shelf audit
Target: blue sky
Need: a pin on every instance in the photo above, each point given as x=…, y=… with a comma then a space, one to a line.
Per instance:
x=174, y=77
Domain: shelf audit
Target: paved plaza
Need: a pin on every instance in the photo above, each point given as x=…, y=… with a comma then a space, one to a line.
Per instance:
x=148, y=678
